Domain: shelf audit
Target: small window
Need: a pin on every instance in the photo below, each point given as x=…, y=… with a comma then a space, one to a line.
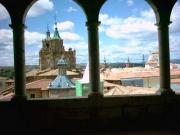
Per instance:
x=32, y=95
x=47, y=45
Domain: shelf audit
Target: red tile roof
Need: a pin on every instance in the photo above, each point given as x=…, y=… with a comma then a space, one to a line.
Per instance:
x=38, y=85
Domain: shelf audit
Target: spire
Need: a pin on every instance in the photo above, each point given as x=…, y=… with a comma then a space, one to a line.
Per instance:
x=105, y=62
x=128, y=61
x=48, y=33
x=56, y=33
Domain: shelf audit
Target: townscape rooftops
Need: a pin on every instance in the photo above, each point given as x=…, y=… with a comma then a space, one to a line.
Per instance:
x=133, y=73
x=129, y=90
x=38, y=85
x=49, y=72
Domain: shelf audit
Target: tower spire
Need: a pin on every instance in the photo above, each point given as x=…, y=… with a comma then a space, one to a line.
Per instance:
x=56, y=33
x=55, y=21
x=48, y=33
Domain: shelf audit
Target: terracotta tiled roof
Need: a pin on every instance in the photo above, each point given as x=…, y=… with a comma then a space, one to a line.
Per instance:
x=6, y=97
x=107, y=84
x=10, y=81
x=175, y=80
x=38, y=85
x=137, y=73
x=129, y=90
x=32, y=73
x=51, y=72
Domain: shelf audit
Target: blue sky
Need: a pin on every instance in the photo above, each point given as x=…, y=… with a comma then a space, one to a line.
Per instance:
x=127, y=30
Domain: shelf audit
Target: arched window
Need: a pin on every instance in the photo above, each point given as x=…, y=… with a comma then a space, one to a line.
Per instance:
x=53, y=27
x=128, y=36
x=174, y=37
x=6, y=49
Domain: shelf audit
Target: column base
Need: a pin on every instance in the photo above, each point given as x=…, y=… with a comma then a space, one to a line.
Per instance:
x=95, y=98
x=95, y=95
x=17, y=98
x=165, y=92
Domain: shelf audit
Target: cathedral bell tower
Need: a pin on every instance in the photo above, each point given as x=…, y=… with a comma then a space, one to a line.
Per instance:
x=53, y=49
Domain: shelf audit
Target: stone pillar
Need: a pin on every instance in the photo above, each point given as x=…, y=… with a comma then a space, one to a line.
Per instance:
x=93, y=47
x=164, y=58
x=91, y=9
x=162, y=10
x=19, y=60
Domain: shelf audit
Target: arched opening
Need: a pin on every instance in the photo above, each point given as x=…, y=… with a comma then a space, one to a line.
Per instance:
x=45, y=45
x=128, y=36
x=6, y=55
x=174, y=37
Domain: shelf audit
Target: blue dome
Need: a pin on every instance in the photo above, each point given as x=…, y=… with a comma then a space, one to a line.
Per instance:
x=61, y=81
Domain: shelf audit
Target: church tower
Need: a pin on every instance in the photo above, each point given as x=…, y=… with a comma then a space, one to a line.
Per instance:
x=53, y=49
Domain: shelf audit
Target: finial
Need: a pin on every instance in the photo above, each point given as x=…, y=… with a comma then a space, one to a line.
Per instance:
x=104, y=60
x=47, y=27
x=55, y=19
x=128, y=61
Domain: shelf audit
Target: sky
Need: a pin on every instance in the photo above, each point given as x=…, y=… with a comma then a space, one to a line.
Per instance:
x=127, y=30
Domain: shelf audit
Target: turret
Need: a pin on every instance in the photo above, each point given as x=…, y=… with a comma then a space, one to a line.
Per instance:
x=48, y=33
x=62, y=65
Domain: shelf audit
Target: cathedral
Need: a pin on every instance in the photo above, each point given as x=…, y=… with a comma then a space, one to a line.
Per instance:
x=53, y=49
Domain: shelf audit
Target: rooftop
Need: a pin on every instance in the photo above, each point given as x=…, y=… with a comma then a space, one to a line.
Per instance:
x=61, y=81
x=38, y=85
x=48, y=72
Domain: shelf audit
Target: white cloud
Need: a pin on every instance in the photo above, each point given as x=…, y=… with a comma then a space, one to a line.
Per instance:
x=67, y=25
x=129, y=26
x=33, y=38
x=3, y=13
x=137, y=34
x=71, y=9
x=148, y=14
x=40, y=7
x=6, y=46
x=70, y=36
x=130, y=2
x=6, y=37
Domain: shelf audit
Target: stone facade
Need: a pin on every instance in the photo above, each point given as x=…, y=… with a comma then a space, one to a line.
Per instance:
x=52, y=50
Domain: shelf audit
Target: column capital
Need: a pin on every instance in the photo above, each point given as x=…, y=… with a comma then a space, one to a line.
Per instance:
x=91, y=8
x=17, y=26
x=93, y=24
x=162, y=10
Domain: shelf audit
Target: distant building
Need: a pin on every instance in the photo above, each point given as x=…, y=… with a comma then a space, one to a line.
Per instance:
x=128, y=64
x=62, y=86
x=153, y=60
x=53, y=49
x=83, y=85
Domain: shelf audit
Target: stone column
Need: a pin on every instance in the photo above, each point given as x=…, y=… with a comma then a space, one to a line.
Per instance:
x=19, y=60
x=163, y=11
x=91, y=9
x=164, y=58
x=93, y=47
